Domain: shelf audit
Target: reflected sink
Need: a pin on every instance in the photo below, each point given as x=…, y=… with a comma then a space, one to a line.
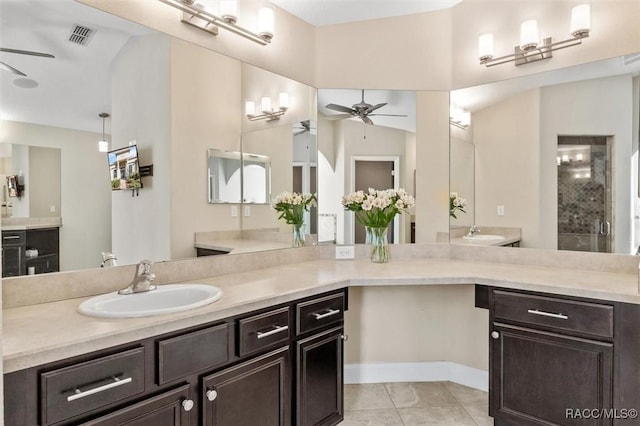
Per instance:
x=165, y=299
x=484, y=237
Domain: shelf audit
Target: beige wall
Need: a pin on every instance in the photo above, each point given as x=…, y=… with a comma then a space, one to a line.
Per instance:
x=462, y=179
x=85, y=190
x=508, y=165
x=44, y=176
x=416, y=324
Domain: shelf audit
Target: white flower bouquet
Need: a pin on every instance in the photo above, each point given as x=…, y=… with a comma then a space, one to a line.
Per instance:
x=292, y=205
x=376, y=209
x=456, y=203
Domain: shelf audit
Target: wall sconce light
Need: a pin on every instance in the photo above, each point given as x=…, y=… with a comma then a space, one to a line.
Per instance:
x=267, y=111
x=103, y=145
x=459, y=117
x=531, y=49
x=200, y=16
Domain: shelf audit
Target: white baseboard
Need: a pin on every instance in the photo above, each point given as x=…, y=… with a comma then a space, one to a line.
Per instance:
x=417, y=372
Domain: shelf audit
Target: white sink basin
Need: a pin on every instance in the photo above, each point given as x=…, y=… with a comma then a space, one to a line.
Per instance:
x=165, y=299
x=484, y=237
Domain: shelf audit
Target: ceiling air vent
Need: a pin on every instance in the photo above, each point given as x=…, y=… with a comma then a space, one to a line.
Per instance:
x=81, y=35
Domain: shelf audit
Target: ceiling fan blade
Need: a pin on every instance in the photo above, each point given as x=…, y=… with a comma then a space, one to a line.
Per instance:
x=375, y=107
x=388, y=115
x=366, y=120
x=26, y=52
x=11, y=69
x=340, y=108
x=339, y=116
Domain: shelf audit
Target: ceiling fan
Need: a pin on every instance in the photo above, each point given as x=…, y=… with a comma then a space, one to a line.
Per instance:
x=361, y=110
x=303, y=127
x=11, y=69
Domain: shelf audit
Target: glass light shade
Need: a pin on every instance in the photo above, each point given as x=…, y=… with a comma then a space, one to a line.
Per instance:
x=229, y=10
x=103, y=146
x=465, y=118
x=529, y=35
x=559, y=160
x=250, y=108
x=210, y=6
x=565, y=158
x=265, y=104
x=283, y=100
x=580, y=20
x=265, y=23
x=485, y=47
x=579, y=157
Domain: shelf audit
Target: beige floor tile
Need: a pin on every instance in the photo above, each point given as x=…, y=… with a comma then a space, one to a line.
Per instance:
x=366, y=396
x=420, y=394
x=441, y=416
x=384, y=417
x=479, y=413
x=466, y=395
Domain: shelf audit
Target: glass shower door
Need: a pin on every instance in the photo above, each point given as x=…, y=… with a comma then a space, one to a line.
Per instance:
x=585, y=218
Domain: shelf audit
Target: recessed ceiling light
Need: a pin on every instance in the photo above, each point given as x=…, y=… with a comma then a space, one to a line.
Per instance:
x=25, y=83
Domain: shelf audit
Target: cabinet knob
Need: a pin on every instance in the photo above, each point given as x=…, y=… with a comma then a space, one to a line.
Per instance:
x=187, y=404
x=495, y=335
x=344, y=337
x=212, y=395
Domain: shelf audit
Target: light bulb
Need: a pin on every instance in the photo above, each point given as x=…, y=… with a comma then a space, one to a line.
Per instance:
x=283, y=101
x=485, y=47
x=529, y=35
x=465, y=118
x=565, y=158
x=265, y=23
x=103, y=146
x=579, y=157
x=581, y=20
x=265, y=104
x=229, y=11
x=250, y=108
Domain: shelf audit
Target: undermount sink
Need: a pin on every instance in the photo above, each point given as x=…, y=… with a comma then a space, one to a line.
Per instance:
x=484, y=237
x=165, y=299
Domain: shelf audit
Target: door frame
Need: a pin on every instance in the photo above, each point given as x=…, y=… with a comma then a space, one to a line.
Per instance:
x=350, y=218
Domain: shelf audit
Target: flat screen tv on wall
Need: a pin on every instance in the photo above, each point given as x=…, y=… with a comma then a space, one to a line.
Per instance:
x=124, y=168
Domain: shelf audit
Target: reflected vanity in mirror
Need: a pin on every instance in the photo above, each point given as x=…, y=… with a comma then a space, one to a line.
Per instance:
x=555, y=154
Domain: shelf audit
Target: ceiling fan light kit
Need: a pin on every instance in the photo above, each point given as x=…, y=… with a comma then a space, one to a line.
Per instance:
x=201, y=16
x=531, y=48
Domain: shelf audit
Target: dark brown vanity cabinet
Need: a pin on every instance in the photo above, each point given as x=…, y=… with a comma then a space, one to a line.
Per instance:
x=555, y=360
x=278, y=366
x=13, y=253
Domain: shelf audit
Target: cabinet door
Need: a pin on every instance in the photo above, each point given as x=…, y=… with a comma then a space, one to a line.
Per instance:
x=12, y=261
x=542, y=378
x=168, y=409
x=319, y=380
x=256, y=392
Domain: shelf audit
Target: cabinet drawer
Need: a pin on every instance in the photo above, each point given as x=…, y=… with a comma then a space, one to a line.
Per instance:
x=13, y=238
x=191, y=352
x=317, y=313
x=80, y=388
x=262, y=331
x=563, y=315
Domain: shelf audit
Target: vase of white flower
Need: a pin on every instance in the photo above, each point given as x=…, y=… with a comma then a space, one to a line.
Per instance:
x=292, y=207
x=376, y=210
x=456, y=203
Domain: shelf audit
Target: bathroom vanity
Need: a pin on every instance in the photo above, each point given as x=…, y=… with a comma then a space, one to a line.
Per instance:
x=263, y=367
x=15, y=254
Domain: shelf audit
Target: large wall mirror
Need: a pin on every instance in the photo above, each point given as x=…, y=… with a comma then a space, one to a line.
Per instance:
x=554, y=154
x=163, y=94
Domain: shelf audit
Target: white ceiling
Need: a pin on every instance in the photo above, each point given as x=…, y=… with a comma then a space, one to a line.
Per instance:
x=74, y=87
x=328, y=12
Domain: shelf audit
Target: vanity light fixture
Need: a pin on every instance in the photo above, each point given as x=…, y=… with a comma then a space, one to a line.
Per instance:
x=103, y=144
x=201, y=16
x=267, y=112
x=531, y=49
x=459, y=117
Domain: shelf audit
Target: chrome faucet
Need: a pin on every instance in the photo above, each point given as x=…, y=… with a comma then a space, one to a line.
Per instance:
x=108, y=259
x=473, y=231
x=141, y=280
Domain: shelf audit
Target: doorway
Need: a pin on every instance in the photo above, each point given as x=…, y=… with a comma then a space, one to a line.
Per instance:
x=585, y=199
x=378, y=173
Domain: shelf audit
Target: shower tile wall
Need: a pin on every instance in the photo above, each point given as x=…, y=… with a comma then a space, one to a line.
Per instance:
x=582, y=194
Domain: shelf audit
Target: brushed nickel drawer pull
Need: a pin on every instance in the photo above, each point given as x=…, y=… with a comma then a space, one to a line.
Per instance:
x=547, y=314
x=11, y=237
x=278, y=329
x=116, y=382
x=329, y=313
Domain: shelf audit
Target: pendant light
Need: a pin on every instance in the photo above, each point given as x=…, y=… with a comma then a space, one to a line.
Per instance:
x=103, y=145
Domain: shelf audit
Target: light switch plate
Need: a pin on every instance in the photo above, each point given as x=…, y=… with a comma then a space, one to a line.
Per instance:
x=234, y=211
x=247, y=211
x=345, y=252
x=500, y=210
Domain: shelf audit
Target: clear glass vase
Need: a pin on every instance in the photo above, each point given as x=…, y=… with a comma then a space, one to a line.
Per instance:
x=379, y=244
x=298, y=235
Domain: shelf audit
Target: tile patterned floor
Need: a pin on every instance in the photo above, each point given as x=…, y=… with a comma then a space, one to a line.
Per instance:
x=408, y=404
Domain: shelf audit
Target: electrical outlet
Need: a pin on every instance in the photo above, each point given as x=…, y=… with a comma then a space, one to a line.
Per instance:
x=234, y=211
x=247, y=211
x=500, y=210
x=52, y=208
x=345, y=252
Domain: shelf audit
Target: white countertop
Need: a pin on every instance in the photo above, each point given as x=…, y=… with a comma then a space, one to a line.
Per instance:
x=38, y=334
x=235, y=246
